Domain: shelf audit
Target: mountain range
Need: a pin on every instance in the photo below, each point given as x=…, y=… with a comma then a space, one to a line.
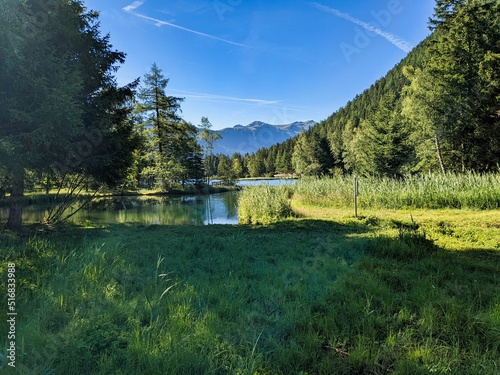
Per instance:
x=249, y=138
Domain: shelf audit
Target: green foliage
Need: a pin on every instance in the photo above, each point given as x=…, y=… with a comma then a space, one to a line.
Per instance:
x=256, y=166
x=61, y=111
x=170, y=151
x=379, y=146
x=237, y=166
x=208, y=138
x=264, y=204
x=462, y=105
x=225, y=169
x=276, y=159
x=311, y=155
x=437, y=110
x=431, y=191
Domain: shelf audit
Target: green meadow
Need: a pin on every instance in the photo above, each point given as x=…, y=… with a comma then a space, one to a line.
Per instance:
x=404, y=290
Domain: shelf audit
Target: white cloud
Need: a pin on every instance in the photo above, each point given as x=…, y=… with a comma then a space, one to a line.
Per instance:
x=398, y=42
x=214, y=97
x=130, y=9
x=133, y=6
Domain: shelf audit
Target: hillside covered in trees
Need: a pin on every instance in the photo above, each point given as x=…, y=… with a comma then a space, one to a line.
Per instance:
x=437, y=110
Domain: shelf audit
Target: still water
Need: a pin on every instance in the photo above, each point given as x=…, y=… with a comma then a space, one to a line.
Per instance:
x=195, y=210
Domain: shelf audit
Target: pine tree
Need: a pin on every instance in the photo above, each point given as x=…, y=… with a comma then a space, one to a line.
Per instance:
x=311, y=155
x=161, y=110
x=172, y=153
x=60, y=109
x=425, y=111
x=256, y=165
x=225, y=169
x=467, y=46
x=382, y=142
x=208, y=138
x=237, y=165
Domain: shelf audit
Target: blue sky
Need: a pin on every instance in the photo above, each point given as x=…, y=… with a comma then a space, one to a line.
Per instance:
x=237, y=61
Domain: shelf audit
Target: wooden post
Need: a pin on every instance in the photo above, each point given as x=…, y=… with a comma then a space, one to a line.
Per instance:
x=356, y=197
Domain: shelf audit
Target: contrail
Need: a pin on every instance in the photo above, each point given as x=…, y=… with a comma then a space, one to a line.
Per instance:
x=231, y=99
x=225, y=98
x=400, y=43
x=130, y=9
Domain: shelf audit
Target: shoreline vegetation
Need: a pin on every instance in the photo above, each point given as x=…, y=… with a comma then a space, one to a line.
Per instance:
x=314, y=291
x=262, y=205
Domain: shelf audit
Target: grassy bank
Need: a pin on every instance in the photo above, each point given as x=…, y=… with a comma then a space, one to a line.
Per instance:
x=303, y=296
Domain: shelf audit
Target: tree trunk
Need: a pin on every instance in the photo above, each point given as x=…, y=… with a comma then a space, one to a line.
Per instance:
x=15, y=220
x=47, y=185
x=439, y=154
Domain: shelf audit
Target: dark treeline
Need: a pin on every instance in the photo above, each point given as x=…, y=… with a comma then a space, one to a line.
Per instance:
x=437, y=110
x=266, y=162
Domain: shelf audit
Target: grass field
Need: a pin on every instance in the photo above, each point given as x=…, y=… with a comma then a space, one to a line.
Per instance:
x=398, y=291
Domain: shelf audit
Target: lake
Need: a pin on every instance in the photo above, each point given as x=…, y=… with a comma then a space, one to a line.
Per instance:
x=150, y=210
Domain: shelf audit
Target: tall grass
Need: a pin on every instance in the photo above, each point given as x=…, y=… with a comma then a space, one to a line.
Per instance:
x=432, y=191
x=264, y=204
x=293, y=298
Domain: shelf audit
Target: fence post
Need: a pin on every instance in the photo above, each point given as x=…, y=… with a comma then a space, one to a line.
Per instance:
x=356, y=197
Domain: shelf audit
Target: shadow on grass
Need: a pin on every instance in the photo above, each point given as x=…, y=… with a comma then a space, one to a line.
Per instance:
x=308, y=296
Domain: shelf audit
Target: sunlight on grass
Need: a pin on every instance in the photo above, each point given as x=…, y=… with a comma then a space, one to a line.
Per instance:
x=301, y=296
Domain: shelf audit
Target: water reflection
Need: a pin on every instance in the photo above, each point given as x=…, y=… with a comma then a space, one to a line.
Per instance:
x=187, y=210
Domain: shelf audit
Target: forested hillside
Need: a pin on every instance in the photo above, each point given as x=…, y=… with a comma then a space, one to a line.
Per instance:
x=437, y=110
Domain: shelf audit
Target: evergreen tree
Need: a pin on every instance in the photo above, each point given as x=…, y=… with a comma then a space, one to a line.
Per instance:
x=381, y=143
x=237, y=165
x=208, y=138
x=60, y=109
x=225, y=169
x=172, y=153
x=423, y=106
x=311, y=155
x=461, y=63
x=256, y=165
x=161, y=110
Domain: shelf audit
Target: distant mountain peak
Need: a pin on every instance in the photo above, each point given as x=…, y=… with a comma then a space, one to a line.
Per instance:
x=249, y=138
x=257, y=124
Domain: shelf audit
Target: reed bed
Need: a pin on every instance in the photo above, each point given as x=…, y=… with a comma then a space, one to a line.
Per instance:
x=428, y=191
x=264, y=204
